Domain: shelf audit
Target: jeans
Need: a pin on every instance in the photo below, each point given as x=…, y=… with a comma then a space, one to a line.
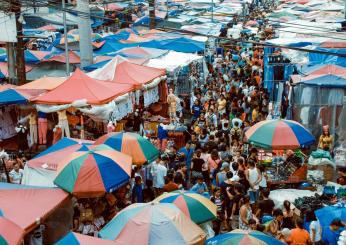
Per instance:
x=254, y=195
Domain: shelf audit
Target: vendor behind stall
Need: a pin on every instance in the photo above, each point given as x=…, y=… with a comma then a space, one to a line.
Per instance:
x=326, y=140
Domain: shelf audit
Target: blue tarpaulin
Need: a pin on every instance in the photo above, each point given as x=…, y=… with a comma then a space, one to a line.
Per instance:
x=11, y=97
x=181, y=44
x=318, y=58
x=327, y=214
x=95, y=66
x=144, y=21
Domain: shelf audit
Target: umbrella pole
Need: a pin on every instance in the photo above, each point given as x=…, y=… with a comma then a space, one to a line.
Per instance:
x=82, y=127
x=6, y=172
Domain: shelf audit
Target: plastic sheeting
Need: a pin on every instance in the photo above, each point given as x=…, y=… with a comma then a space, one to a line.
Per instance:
x=279, y=196
x=173, y=60
x=315, y=107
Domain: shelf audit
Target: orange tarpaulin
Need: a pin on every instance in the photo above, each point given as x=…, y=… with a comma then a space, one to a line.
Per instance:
x=82, y=87
x=137, y=75
x=44, y=83
x=120, y=71
x=73, y=58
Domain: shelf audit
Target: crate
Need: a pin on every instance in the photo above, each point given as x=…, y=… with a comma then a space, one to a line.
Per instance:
x=300, y=174
x=328, y=171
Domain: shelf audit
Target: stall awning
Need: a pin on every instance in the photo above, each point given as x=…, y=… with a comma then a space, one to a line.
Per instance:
x=12, y=97
x=82, y=87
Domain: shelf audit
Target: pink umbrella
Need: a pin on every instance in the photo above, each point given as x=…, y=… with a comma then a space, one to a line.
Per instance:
x=10, y=233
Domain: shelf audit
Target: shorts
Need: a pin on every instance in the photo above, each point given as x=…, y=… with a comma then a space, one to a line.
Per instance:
x=254, y=195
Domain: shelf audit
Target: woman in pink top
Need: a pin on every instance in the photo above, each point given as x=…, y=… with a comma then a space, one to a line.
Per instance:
x=213, y=161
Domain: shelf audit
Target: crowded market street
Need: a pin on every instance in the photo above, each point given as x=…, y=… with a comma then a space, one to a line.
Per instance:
x=216, y=122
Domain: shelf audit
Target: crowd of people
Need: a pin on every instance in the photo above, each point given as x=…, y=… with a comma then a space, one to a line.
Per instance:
x=215, y=162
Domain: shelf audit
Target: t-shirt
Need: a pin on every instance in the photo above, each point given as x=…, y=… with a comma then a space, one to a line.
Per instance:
x=199, y=188
x=159, y=172
x=197, y=164
x=266, y=206
x=299, y=237
x=196, y=110
x=16, y=176
x=315, y=225
x=170, y=187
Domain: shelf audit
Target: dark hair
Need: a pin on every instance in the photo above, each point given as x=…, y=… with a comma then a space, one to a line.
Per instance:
x=170, y=177
x=260, y=227
x=252, y=221
x=266, y=192
x=214, y=154
x=287, y=205
x=336, y=222
x=241, y=174
x=229, y=174
x=277, y=212
x=240, y=161
x=246, y=199
x=310, y=216
x=138, y=178
x=235, y=166
x=236, y=124
x=222, y=147
x=300, y=223
x=251, y=163
x=261, y=168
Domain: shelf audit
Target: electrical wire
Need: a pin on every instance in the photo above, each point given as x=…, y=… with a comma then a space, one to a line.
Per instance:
x=199, y=34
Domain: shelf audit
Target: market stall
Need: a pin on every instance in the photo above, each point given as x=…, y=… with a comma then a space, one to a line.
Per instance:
x=282, y=135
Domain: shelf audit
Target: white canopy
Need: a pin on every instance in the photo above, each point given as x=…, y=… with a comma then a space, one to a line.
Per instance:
x=173, y=60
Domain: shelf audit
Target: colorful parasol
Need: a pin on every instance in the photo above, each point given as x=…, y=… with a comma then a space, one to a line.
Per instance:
x=140, y=149
x=73, y=238
x=242, y=237
x=93, y=172
x=154, y=224
x=10, y=233
x=279, y=135
x=193, y=205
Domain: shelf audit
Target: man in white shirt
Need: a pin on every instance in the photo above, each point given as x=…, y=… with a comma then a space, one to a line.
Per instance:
x=16, y=174
x=159, y=172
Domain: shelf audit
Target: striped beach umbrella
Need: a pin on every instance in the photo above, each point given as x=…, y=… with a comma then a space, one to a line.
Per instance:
x=199, y=208
x=10, y=233
x=154, y=224
x=88, y=173
x=140, y=149
x=242, y=237
x=279, y=135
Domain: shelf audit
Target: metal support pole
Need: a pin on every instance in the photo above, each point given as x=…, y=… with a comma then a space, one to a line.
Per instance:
x=11, y=62
x=67, y=61
x=21, y=72
x=84, y=30
x=152, y=14
x=212, y=11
